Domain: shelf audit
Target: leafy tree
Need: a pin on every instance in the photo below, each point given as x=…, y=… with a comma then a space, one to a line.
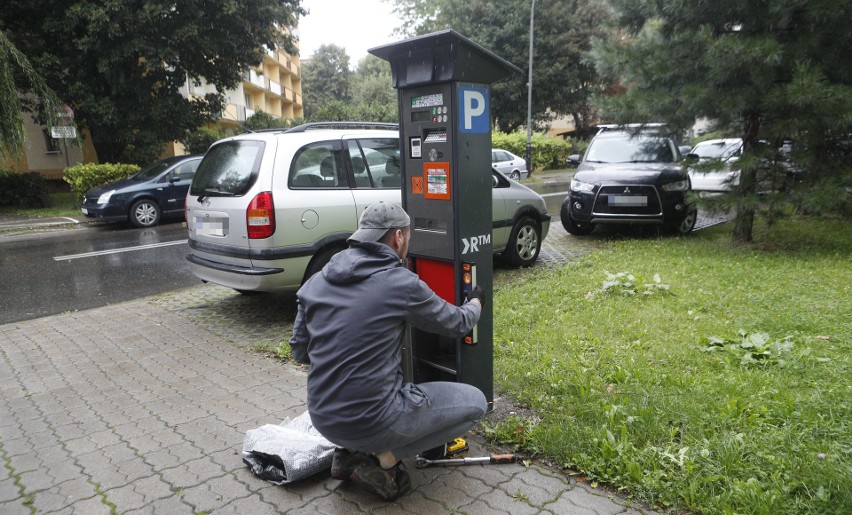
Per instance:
x=325, y=77
x=766, y=71
x=121, y=64
x=17, y=74
x=373, y=84
x=563, y=80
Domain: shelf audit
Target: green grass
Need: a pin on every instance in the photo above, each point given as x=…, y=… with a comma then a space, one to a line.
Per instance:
x=61, y=204
x=628, y=393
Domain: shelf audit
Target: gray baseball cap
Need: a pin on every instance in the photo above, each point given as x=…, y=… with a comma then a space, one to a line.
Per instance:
x=377, y=219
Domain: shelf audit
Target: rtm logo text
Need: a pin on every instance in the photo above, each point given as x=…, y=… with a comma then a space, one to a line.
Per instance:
x=472, y=244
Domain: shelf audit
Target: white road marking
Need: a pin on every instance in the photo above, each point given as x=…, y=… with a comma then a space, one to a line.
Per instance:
x=117, y=251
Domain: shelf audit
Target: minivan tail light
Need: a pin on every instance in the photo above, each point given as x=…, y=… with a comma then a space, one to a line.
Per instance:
x=260, y=216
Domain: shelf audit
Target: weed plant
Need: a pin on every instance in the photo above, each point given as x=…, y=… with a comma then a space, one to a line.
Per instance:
x=721, y=384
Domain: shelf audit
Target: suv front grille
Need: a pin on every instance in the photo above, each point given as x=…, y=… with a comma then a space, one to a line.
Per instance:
x=627, y=200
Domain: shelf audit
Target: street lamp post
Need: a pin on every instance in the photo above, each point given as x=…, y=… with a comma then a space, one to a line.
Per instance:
x=529, y=94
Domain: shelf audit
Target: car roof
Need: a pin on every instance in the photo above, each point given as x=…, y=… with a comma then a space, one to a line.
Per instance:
x=721, y=141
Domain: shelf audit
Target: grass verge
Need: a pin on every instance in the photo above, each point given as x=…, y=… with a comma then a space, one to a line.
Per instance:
x=690, y=372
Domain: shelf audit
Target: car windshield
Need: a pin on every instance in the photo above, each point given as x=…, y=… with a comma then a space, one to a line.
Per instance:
x=228, y=169
x=716, y=150
x=152, y=171
x=631, y=149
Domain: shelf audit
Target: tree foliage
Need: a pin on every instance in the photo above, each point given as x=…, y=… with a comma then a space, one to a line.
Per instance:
x=332, y=92
x=121, y=64
x=563, y=80
x=16, y=75
x=325, y=77
x=765, y=71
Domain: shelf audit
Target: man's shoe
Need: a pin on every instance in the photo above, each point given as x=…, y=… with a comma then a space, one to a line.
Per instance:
x=343, y=463
x=388, y=484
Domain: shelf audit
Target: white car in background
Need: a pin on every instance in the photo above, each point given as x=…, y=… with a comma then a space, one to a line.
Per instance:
x=509, y=164
x=726, y=152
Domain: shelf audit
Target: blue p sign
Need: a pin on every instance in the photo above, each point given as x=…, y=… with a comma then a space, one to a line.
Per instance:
x=473, y=110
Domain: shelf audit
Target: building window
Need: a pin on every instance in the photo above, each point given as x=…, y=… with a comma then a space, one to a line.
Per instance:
x=51, y=144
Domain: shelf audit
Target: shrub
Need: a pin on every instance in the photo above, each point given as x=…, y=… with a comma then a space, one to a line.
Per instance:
x=84, y=177
x=23, y=189
x=199, y=140
x=547, y=152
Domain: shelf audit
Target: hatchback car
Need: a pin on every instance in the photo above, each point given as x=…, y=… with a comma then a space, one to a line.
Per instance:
x=157, y=191
x=509, y=164
x=724, y=153
x=267, y=210
x=629, y=176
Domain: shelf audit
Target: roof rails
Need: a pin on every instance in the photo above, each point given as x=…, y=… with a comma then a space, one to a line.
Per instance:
x=628, y=126
x=342, y=125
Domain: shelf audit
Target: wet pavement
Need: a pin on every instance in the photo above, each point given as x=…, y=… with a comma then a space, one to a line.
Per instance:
x=141, y=407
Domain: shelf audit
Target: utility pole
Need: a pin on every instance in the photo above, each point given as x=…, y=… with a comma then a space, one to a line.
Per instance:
x=529, y=94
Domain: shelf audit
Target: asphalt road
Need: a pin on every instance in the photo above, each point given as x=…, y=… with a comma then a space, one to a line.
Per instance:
x=43, y=274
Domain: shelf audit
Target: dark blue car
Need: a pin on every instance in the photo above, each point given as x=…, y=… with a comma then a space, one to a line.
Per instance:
x=158, y=190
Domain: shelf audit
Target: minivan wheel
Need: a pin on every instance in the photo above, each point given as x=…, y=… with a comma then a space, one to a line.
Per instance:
x=524, y=243
x=145, y=213
x=319, y=261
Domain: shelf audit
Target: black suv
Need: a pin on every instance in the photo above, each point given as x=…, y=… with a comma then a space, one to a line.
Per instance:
x=629, y=176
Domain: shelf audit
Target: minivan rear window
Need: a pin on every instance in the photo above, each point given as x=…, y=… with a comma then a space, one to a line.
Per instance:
x=228, y=169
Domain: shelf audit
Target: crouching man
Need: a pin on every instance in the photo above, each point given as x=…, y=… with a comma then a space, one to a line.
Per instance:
x=349, y=327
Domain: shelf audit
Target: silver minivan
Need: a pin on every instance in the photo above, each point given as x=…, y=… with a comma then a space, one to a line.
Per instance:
x=268, y=209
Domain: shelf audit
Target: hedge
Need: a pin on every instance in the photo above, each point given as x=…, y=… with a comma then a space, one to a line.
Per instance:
x=84, y=177
x=23, y=190
x=547, y=152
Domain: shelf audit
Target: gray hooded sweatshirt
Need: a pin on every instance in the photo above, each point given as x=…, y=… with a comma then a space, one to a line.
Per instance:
x=349, y=327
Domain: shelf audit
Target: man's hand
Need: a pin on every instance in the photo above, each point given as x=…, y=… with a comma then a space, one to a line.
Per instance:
x=476, y=293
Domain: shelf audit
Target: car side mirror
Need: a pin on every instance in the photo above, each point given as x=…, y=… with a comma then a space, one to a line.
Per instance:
x=574, y=159
x=494, y=181
x=692, y=158
x=174, y=178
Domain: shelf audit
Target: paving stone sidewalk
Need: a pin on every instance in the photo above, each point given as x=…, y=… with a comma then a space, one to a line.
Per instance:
x=141, y=407
x=137, y=408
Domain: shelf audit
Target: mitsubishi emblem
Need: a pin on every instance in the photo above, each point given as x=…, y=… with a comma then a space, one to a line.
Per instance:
x=627, y=190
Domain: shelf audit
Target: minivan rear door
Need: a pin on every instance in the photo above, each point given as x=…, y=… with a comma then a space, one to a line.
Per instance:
x=221, y=190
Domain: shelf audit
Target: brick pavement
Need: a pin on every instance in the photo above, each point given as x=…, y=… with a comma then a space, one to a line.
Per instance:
x=141, y=407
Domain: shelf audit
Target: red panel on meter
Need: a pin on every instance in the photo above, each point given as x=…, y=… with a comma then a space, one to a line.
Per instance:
x=439, y=275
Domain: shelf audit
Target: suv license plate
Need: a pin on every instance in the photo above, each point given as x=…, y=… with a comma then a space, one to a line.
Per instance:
x=211, y=226
x=632, y=200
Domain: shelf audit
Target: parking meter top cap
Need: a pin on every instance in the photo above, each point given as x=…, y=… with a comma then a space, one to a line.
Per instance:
x=377, y=219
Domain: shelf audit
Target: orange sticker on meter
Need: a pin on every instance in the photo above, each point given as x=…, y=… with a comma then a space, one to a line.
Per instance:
x=437, y=177
x=417, y=185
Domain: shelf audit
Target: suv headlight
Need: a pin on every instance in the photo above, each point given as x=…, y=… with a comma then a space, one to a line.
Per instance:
x=103, y=199
x=682, y=185
x=582, y=186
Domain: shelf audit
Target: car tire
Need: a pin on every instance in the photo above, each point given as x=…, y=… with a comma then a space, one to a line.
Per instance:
x=515, y=175
x=524, y=243
x=145, y=213
x=319, y=260
x=572, y=226
x=686, y=224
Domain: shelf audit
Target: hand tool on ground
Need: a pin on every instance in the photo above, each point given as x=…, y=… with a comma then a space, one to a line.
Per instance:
x=422, y=462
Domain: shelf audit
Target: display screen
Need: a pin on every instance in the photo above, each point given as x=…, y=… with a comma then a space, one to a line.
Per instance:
x=421, y=116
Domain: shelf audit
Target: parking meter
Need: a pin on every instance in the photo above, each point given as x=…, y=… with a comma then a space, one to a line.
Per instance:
x=443, y=81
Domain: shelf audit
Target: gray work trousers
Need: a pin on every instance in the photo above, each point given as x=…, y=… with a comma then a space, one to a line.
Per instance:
x=433, y=414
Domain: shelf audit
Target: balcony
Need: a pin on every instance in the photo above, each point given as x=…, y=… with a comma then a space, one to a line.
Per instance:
x=275, y=87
